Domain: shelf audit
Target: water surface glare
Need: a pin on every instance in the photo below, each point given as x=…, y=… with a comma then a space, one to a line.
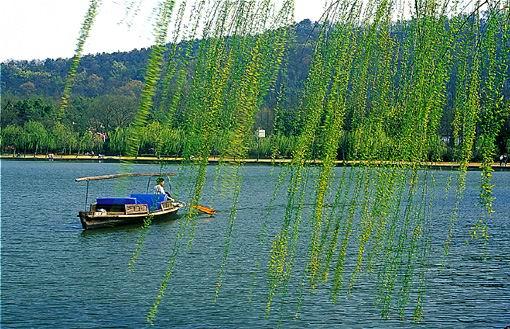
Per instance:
x=55, y=275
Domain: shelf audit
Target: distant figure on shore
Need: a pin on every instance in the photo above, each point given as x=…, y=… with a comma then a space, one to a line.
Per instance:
x=503, y=159
x=51, y=156
x=160, y=189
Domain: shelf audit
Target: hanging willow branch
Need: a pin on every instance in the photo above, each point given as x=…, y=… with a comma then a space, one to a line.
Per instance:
x=90, y=17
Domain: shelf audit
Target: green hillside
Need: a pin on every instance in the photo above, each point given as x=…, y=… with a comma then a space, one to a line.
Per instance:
x=106, y=96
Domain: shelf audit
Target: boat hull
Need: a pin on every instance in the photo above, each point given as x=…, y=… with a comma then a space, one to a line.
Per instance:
x=90, y=220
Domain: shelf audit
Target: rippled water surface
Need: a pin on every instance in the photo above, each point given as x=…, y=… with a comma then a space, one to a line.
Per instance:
x=55, y=275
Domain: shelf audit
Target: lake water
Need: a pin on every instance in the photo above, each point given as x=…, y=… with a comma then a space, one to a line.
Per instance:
x=55, y=275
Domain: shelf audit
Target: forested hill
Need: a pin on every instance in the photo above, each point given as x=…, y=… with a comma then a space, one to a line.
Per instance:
x=106, y=93
x=122, y=72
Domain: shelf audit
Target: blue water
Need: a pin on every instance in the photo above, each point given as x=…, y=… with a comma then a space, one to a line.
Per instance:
x=55, y=275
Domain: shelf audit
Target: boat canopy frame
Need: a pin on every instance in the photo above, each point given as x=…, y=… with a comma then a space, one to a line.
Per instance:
x=115, y=176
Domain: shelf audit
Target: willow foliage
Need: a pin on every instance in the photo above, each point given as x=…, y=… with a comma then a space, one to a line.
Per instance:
x=377, y=84
x=87, y=23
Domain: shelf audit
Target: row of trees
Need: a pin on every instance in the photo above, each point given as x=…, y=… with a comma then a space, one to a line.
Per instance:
x=29, y=125
x=159, y=140
x=102, y=113
x=34, y=137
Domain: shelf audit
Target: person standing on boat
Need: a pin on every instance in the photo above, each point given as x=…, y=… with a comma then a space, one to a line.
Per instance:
x=160, y=189
x=503, y=159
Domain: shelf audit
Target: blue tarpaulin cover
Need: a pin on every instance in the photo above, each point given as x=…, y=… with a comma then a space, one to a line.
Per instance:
x=115, y=201
x=152, y=200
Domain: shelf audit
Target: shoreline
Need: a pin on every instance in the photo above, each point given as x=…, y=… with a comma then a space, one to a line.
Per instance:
x=215, y=160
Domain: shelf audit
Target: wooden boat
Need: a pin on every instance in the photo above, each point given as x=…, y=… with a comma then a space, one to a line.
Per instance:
x=135, y=209
x=131, y=214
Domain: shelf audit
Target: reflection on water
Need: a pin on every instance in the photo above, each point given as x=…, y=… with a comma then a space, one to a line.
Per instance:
x=54, y=274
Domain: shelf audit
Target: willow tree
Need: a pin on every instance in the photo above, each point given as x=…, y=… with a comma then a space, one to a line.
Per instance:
x=378, y=83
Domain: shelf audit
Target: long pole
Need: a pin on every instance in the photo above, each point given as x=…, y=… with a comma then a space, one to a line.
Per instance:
x=148, y=184
x=87, y=196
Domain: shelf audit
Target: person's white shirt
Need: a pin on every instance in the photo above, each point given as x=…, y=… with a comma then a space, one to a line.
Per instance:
x=158, y=189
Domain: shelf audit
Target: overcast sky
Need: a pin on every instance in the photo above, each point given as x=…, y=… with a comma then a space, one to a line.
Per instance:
x=39, y=29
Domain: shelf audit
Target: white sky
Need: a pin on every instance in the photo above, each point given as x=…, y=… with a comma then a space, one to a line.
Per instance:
x=39, y=29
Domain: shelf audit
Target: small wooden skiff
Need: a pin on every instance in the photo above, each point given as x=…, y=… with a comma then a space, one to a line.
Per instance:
x=133, y=214
x=110, y=212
